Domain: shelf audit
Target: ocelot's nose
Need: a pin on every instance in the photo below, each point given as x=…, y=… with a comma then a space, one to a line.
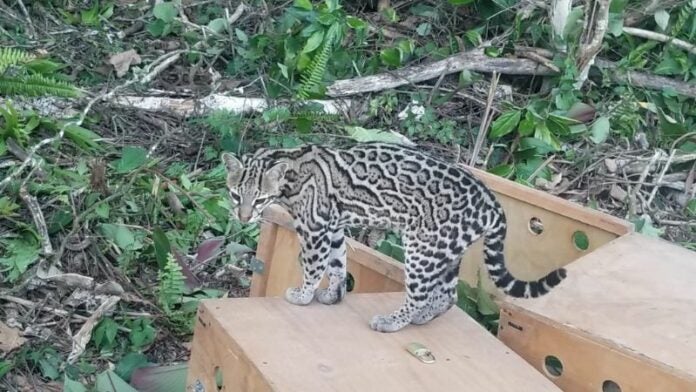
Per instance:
x=244, y=216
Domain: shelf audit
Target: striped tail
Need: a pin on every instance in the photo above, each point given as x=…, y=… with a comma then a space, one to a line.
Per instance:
x=495, y=262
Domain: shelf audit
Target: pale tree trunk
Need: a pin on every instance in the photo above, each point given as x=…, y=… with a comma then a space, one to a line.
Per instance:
x=558, y=12
x=595, y=27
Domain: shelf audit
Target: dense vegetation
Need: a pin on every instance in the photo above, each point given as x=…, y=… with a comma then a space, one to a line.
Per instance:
x=114, y=220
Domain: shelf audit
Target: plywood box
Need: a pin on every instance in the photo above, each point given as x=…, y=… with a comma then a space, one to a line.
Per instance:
x=267, y=344
x=624, y=318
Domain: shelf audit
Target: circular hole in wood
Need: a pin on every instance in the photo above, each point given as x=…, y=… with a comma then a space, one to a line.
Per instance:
x=581, y=241
x=535, y=226
x=553, y=366
x=219, y=382
x=350, y=282
x=610, y=386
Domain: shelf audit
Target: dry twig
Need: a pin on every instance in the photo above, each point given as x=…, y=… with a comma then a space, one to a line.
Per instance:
x=691, y=48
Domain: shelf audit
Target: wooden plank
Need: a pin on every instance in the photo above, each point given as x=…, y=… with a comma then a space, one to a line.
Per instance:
x=214, y=349
x=543, y=200
x=587, y=363
x=264, y=252
x=636, y=293
x=331, y=348
x=285, y=270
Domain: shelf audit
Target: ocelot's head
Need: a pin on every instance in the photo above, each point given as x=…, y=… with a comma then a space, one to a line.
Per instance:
x=253, y=184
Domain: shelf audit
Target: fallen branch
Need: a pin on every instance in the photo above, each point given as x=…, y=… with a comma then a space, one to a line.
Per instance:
x=83, y=336
x=187, y=107
x=595, y=27
x=647, y=34
x=474, y=60
x=479, y=62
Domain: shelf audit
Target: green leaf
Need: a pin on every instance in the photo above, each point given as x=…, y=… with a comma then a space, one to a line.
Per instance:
x=241, y=35
x=303, y=4
x=162, y=246
x=165, y=12
x=105, y=332
x=390, y=15
x=600, y=130
x=391, y=56
x=131, y=159
x=122, y=236
x=505, y=171
x=485, y=304
x=142, y=334
x=355, y=23
x=5, y=367
x=460, y=2
x=276, y=114
x=662, y=19
x=102, y=210
x=218, y=25
x=314, y=41
x=527, y=125
x=363, y=135
x=109, y=381
x=691, y=207
x=423, y=29
x=616, y=23
x=505, y=123
x=72, y=386
x=129, y=363
x=543, y=133
x=645, y=226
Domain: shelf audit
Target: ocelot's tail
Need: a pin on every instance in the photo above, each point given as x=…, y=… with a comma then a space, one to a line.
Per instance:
x=495, y=262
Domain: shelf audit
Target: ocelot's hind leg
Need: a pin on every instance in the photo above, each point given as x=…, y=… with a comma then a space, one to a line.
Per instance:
x=336, y=290
x=443, y=297
x=423, y=265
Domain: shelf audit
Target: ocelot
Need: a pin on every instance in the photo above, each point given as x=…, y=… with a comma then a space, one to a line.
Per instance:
x=439, y=208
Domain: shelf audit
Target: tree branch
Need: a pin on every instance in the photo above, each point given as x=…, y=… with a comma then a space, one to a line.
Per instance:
x=660, y=38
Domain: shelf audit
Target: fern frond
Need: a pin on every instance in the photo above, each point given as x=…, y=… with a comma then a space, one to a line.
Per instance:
x=36, y=85
x=312, y=77
x=13, y=56
x=171, y=284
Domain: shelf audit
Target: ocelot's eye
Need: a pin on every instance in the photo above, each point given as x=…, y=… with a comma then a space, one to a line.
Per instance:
x=235, y=197
x=262, y=199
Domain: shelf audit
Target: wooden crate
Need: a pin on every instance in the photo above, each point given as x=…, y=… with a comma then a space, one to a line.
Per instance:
x=528, y=255
x=267, y=344
x=625, y=316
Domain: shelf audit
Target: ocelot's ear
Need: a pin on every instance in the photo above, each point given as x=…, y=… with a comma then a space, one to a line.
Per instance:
x=271, y=178
x=234, y=169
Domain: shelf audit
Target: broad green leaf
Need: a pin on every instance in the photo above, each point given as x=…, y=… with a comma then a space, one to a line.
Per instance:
x=102, y=210
x=527, y=125
x=423, y=29
x=539, y=146
x=3, y=147
x=165, y=12
x=485, y=304
x=505, y=123
x=691, y=207
x=303, y=4
x=355, y=23
x=129, y=363
x=543, y=133
x=617, y=6
x=122, y=236
x=314, y=41
x=390, y=15
x=504, y=171
x=662, y=19
x=644, y=225
x=218, y=25
x=72, y=386
x=460, y=2
x=600, y=130
x=131, y=159
x=5, y=367
x=109, y=381
x=162, y=246
x=616, y=23
x=276, y=114
x=391, y=56
x=284, y=70
x=241, y=35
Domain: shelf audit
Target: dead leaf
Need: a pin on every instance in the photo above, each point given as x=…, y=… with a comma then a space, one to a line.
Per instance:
x=122, y=61
x=618, y=193
x=9, y=338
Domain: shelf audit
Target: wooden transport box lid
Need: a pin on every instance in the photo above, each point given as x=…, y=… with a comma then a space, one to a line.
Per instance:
x=279, y=346
x=637, y=294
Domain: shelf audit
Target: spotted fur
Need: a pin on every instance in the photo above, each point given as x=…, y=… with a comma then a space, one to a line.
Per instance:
x=439, y=208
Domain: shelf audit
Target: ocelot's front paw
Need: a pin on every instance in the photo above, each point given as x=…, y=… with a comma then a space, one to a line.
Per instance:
x=386, y=323
x=297, y=296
